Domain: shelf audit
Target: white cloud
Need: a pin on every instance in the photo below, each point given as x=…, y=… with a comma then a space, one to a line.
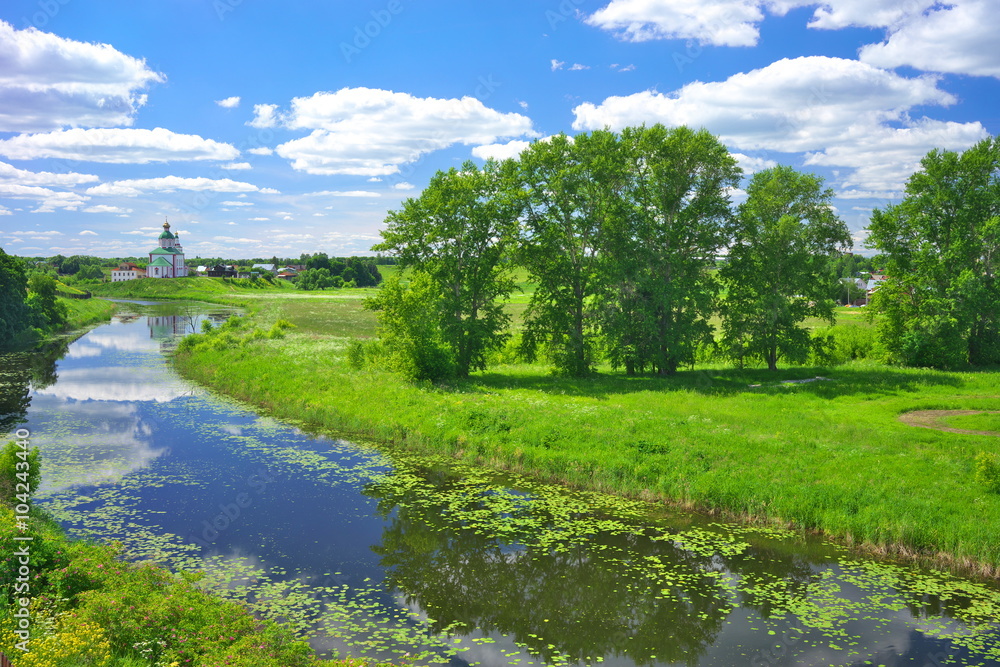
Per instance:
x=955, y=36
x=403, y=186
x=229, y=102
x=718, y=22
x=556, y=64
x=264, y=116
x=237, y=203
x=5, y=211
x=87, y=232
x=374, y=179
x=48, y=200
x=841, y=112
x=104, y=208
x=751, y=165
x=236, y=166
x=48, y=82
x=116, y=146
x=960, y=38
x=269, y=191
x=263, y=150
x=511, y=149
x=11, y=173
x=254, y=220
x=133, y=188
x=345, y=193
x=577, y=67
x=370, y=132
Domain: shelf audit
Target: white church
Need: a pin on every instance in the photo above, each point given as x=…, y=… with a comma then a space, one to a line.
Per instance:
x=167, y=261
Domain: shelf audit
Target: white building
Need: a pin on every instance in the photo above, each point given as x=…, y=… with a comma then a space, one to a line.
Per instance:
x=127, y=271
x=167, y=261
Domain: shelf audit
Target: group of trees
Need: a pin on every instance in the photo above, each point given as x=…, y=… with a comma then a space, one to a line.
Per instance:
x=27, y=302
x=322, y=272
x=621, y=233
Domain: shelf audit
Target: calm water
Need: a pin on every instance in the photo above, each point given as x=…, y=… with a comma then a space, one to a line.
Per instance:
x=383, y=554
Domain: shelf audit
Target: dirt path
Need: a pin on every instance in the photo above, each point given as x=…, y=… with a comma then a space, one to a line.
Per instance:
x=932, y=419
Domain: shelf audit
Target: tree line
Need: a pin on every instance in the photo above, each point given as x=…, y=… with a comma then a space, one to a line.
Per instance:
x=620, y=233
x=28, y=303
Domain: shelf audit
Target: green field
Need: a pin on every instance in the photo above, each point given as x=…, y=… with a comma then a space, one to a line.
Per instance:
x=829, y=454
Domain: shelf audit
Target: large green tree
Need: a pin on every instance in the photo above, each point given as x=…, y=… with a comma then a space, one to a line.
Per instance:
x=785, y=234
x=461, y=231
x=570, y=187
x=940, y=306
x=659, y=254
x=14, y=313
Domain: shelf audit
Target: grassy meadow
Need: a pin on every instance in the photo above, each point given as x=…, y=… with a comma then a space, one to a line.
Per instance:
x=819, y=448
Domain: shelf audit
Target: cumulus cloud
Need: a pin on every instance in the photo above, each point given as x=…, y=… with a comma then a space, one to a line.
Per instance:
x=229, y=102
x=556, y=64
x=955, y=36
x=261, y=151
x=116, y=146
x=88, y=232
x=403, y=186
x=9, y=172
x=345, y=193
x=48, y=200
x=717, y=22
x=236, y=166
x=959, y=38
x=264, y=115
x=371, y=132
x=104, y=208
x=48, y=82
x=842, y=113
x=577, y=67
x=136, y=187
x=751, y=165
x=504, y=151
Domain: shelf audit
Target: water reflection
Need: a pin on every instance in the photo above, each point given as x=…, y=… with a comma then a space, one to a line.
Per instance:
x=380, y=556
x=22, y=371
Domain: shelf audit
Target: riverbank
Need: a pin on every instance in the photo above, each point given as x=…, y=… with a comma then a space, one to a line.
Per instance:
x=77, y=591
x=815, y=448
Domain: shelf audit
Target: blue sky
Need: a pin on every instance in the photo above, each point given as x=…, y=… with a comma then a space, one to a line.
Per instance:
x=264, y=128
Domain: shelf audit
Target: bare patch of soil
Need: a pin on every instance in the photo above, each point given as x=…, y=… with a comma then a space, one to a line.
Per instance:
x=934, y=419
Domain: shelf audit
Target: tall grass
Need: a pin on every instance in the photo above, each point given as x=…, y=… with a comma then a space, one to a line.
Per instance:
x=829, y=454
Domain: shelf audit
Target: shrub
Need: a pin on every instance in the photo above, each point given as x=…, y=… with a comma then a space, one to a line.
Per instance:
x=987, y=471
x=19, y=470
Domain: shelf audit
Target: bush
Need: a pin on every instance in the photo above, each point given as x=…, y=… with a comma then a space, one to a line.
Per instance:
x=19, y=470
x=410, y=330
x=987, y=471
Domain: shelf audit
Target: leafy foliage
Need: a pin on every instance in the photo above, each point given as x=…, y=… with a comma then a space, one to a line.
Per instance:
x=660, y=291
x=784, y=235
x=409, y=325
x=460, y=233
x=569, y=189
x=940, y=306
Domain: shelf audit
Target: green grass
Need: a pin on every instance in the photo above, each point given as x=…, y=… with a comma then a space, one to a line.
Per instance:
x=828, y=455
x=87, y=311
x=217, y=290
x=980, y=422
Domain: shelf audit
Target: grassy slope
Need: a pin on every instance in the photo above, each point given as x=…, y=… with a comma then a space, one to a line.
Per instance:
x=830, y=455
x=217, y=290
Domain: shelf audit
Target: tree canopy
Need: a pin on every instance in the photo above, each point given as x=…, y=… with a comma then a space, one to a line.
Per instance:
x=940, y=306
x=784, y=236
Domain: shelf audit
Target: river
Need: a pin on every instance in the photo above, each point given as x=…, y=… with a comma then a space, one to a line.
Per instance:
x=375, y=553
